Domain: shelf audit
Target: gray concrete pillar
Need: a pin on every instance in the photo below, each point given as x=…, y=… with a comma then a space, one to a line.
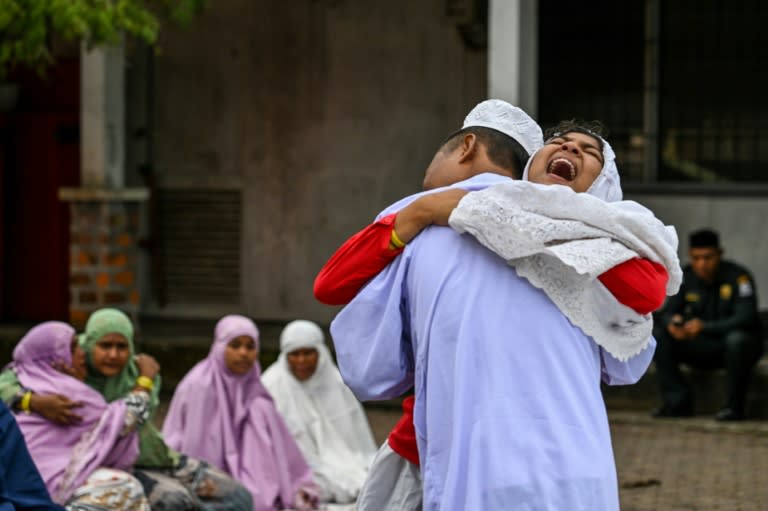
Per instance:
x=104, y=216
x=102, y=117
x=512, y=52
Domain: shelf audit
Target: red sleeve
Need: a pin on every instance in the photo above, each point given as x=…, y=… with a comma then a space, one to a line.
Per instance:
x=356, y=262
x=640, y=284
x=402, y=438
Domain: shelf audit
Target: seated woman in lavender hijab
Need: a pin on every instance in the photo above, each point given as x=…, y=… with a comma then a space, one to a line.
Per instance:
x=84, y=465
x=222, y=413
x=172, y=480
x=323, y=415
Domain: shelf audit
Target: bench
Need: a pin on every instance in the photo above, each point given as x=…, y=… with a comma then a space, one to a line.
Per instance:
x=708, y=388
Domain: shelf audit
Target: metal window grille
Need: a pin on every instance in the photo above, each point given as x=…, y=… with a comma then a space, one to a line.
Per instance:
x=713, y=115
x=200, y=246
x=680, y=85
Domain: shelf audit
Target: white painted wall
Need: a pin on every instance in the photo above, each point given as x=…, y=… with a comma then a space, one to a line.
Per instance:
x=102, y=117
x=321, y=113
x=513, y=52
x=741, y=221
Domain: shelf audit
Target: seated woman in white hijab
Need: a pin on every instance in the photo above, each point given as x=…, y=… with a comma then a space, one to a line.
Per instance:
x=323, y=415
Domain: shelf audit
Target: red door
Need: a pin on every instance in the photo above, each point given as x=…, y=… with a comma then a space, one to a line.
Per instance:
x=39, y=153
x=3, y=154
x=45, y=157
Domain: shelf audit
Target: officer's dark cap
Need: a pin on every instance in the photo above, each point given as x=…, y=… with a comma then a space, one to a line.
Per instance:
x=704, y=238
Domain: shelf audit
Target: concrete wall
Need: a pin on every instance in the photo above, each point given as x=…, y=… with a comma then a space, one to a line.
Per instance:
x=741, y=222
x=321, y=111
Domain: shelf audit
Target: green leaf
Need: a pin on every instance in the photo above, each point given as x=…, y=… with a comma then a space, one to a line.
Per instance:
x=26, y=26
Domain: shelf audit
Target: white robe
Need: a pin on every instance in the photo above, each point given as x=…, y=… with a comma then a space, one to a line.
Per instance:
x=328, y=423
x=393, y=483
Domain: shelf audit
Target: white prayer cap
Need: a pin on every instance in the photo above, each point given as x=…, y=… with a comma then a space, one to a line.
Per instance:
x=510, y=120
x=300, y=334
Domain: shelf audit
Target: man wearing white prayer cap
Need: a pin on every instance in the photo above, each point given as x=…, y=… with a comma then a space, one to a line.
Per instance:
x=508, y=407
x=495, y=138
x=506, y=135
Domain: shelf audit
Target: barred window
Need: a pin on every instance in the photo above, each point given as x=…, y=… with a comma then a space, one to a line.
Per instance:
x=680, y=85
x=713, y=78
x=591, y=68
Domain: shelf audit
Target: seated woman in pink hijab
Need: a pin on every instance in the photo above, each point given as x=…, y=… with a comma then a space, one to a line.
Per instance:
x=221, y=413
x=83, y=464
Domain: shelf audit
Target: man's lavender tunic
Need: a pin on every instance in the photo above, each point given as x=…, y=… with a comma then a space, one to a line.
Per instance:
x=509, y=413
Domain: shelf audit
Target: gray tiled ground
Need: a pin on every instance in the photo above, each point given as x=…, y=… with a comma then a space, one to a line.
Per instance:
x=669, y=465
x=676, y=465
x=690, y=465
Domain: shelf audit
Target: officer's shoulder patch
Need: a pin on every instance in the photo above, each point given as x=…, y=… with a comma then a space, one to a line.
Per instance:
x=745, y=285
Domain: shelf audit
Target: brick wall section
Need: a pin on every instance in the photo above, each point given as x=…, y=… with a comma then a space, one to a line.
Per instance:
x=104, y=257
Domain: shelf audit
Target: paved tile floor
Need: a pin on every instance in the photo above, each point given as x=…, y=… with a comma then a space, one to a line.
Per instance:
x=690, y=464
x=676, y=465
x=669, y=465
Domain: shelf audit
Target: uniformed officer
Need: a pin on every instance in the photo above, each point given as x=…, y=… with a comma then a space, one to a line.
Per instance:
x=711, y=323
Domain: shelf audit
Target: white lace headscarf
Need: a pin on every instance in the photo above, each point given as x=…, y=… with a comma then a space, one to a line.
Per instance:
x=607, y=186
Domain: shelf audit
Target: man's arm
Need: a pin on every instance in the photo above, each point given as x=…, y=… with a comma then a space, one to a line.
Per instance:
x=372, y=337
x=628, y=372
x=670, y=317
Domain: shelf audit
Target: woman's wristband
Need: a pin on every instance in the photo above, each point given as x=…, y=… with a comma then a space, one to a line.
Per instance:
x=395, y=240
x=26, y=399
x=145, y=382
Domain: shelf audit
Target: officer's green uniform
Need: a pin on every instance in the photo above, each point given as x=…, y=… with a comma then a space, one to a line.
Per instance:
x=730, y=339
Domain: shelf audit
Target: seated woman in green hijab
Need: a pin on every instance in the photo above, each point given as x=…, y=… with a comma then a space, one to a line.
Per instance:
x=171, y=480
